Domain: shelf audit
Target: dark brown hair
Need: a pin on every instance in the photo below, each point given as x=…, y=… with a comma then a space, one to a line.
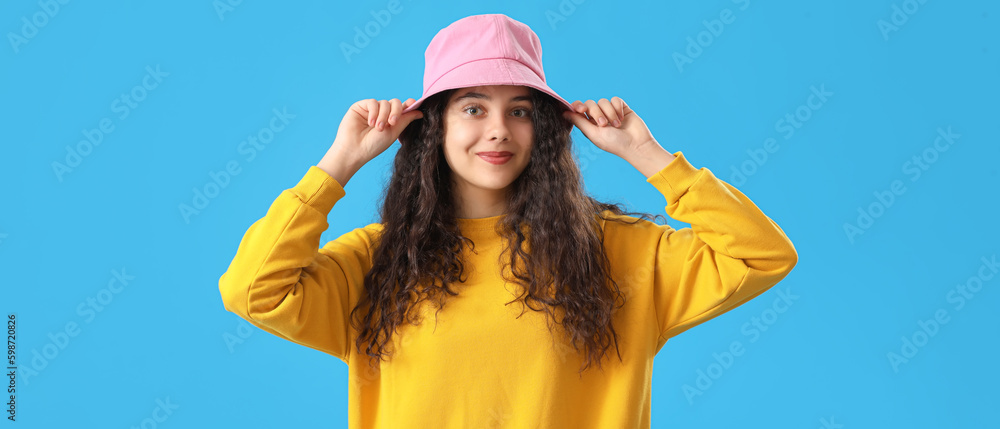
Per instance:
x=420, y=243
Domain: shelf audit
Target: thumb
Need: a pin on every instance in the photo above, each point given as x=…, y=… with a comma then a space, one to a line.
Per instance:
x=580, y=121
x=404, y=121
x=405, y=118
x=410, y=116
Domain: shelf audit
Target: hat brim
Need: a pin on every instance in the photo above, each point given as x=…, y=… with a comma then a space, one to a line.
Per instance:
x=493, y=71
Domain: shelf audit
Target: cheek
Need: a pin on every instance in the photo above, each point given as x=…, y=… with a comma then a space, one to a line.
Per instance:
x=457, y=137
x=525, y=129
x=455, y=148
x=526, y=134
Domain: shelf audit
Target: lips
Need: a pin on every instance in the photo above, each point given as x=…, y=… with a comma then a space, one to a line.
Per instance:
x=496, y=157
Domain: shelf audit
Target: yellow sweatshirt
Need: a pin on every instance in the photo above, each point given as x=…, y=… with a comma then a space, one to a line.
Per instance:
x=478, y=366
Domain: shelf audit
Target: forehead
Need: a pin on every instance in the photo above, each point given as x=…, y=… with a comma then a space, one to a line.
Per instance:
x=496, y=93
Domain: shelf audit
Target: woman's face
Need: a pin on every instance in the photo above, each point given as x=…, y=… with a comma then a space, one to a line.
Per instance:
x=488, y=136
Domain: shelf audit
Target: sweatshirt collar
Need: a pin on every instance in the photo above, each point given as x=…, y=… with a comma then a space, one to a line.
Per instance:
x=479, y=227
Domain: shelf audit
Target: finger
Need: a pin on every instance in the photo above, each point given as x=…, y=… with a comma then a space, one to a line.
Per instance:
x=596, y=114
x=581, y=122
x=625, y=109
x=394, y=108
x=383, y=114
x=609, y=111
x=371, y=105
x=619, y=107
x=406, y=118
x=410, y=116
x=579, y=107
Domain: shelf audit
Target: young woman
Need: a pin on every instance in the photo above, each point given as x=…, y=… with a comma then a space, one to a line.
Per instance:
x=493, y=290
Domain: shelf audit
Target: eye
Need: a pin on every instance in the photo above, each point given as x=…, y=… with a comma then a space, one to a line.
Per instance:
x=473, y=107
x=526, y=113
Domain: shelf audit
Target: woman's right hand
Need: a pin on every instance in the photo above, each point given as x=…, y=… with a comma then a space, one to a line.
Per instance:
x=371, y=126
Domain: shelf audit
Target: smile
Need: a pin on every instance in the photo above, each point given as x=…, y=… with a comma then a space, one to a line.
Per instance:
x=496, y=158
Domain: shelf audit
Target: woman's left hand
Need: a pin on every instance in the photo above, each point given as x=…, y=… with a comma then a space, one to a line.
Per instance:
x=611, y=125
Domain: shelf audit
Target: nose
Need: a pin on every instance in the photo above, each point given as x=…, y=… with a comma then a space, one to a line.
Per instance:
x=497, y=128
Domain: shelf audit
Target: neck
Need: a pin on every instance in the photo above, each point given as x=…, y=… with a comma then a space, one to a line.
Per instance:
x=477, y=203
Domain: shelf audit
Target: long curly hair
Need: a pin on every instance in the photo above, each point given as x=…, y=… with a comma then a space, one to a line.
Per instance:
x=420, y=242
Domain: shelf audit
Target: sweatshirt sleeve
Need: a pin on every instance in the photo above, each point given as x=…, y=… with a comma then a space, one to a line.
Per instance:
x=282, y=282
x=730, y=254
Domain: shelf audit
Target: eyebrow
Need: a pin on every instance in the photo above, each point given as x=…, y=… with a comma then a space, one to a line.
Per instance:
x=486, y=97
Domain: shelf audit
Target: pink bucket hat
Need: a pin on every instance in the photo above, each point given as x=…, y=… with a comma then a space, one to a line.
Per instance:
x=477, y=50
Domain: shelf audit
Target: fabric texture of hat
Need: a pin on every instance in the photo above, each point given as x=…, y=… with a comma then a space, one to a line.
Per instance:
x=479, y=50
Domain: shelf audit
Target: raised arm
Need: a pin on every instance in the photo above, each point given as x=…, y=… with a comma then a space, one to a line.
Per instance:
x=282, y=282
x=731, y=253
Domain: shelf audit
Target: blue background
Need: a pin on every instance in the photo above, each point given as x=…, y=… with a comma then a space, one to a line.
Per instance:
x=823, y=362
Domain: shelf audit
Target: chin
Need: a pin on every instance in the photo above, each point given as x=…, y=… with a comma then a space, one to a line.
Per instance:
x=495, y=185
